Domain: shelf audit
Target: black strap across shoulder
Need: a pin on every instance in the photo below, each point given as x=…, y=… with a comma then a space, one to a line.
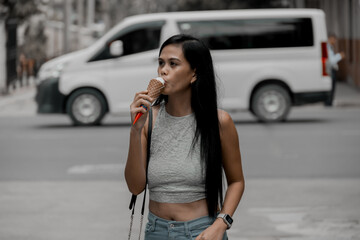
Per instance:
x=134, y=197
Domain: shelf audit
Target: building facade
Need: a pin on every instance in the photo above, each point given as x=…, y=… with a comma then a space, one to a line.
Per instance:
x=2, y=56
x=343, y=19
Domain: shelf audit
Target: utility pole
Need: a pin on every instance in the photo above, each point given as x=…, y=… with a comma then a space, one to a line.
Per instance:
x=67, y=22
x=90, y=13
x=105, y=12
x=11, y=23
x=80, y=21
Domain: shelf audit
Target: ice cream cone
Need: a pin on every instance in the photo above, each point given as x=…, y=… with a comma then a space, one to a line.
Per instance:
x=155, y=88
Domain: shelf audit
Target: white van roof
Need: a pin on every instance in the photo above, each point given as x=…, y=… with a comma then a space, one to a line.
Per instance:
x=215, y=14
x=263, y=13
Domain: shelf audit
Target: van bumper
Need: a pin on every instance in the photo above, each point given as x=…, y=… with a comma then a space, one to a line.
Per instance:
x=48, y=97
x=313, y=97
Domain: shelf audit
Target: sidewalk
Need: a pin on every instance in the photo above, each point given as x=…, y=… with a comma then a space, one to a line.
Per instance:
x=21, y=101
x=346, y=95
x=271, y=209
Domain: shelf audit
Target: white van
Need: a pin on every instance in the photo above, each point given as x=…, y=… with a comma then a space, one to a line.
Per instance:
x=266, y=62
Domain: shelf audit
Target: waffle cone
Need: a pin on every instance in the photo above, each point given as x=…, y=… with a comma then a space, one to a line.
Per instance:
x=155, y=88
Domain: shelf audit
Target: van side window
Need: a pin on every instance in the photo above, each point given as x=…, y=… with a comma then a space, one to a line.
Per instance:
x=137, y=38
x=252, y=33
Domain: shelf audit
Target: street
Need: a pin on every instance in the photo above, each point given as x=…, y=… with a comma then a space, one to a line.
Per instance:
x=315, y=142
x=63, y=182
x=89, y=57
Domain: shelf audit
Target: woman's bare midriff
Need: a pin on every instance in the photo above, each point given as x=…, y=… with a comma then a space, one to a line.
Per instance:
x=179, y=211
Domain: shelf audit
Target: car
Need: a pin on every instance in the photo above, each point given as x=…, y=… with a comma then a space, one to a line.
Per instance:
x=266, y=61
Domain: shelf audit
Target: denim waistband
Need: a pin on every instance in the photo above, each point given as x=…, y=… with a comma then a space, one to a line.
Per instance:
x=184, y=226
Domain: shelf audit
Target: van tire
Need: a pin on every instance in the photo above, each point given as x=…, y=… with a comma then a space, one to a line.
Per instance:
x=86, y=107
x=271, y=103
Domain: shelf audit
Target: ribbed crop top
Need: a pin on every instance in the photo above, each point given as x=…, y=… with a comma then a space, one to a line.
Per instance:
x=175, y=173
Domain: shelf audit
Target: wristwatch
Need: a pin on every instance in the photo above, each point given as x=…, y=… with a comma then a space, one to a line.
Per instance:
x=226, y=218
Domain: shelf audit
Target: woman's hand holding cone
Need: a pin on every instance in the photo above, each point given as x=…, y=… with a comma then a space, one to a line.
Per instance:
x=142, y=102
x=153, y=91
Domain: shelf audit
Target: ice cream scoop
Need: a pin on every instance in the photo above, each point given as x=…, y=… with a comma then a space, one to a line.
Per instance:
x=155, y=88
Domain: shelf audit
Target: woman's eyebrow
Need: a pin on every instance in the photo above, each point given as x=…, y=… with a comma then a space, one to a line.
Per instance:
x=170, y=59
x=177, y=59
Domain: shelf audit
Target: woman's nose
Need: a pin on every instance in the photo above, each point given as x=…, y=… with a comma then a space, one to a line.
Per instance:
x=163, y=71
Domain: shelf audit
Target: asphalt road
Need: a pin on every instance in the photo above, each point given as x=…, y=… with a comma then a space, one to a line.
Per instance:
x=59, y=182
x=315, y=142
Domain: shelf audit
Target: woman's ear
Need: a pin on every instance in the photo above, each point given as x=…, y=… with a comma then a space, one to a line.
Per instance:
x=194, y=77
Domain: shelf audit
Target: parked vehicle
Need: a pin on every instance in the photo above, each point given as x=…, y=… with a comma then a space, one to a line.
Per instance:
x=266, y=62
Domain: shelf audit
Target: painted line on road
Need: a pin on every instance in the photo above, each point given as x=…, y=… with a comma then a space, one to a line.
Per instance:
x=96, y=169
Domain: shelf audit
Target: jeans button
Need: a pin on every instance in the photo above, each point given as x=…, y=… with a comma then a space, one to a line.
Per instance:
x=172, y=225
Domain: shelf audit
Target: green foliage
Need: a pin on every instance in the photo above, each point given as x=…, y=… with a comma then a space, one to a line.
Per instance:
x=20, y=9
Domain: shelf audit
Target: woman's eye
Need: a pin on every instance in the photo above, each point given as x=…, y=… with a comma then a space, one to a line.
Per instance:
x=161, y=63
x=173, y=64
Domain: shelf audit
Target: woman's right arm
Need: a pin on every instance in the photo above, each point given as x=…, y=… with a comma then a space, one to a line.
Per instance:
x=135, y=169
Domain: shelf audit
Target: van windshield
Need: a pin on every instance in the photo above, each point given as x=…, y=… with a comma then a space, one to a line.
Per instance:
x=135, y=39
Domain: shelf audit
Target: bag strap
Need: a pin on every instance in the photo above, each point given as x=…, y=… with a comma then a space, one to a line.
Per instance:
x=134, y=197
x=147, y=156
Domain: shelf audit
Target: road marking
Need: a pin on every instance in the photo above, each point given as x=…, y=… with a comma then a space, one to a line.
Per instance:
x=96, y=169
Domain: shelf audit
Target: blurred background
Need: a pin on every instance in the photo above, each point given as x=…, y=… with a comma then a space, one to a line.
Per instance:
x=60, y=182
x=35, y=31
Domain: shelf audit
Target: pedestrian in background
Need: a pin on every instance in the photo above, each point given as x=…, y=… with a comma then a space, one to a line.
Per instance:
x=334, y=58
x=192, y=143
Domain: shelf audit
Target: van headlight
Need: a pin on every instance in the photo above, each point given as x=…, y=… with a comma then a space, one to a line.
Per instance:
x=50, y=71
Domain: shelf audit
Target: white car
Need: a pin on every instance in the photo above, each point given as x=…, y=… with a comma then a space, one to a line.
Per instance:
x=266, y=61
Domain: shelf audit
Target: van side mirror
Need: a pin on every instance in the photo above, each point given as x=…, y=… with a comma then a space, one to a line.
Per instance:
x=116, y=48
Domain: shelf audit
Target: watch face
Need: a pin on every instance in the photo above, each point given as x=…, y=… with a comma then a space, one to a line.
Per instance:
x=229, y=219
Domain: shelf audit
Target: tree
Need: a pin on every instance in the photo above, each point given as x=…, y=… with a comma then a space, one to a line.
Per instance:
x=17, y=12
x=21, y=9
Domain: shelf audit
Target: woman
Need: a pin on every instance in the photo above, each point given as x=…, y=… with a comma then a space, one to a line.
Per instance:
x=192, y=143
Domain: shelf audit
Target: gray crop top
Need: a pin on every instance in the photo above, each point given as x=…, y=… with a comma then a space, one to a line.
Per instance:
x=175, y=173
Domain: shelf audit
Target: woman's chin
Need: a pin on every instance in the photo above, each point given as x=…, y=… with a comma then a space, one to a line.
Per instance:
x=165, y=92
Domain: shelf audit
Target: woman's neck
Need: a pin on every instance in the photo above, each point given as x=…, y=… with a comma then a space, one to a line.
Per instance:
x=179, y=106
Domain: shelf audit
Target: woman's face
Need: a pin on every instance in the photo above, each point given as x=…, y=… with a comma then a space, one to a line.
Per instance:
x=175, y=70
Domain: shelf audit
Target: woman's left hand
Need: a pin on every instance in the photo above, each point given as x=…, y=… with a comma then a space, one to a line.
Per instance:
x=214, y=232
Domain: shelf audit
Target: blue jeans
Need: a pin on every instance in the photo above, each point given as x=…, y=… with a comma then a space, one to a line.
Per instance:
x=162, y=229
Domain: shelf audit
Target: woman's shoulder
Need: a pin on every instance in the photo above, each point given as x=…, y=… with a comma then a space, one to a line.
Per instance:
x=227, y=125
x=224, y=117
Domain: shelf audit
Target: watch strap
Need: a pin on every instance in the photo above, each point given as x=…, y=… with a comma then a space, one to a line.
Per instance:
x=224, y=216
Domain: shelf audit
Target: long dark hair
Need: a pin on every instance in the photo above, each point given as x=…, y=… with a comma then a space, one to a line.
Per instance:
x=204, y=105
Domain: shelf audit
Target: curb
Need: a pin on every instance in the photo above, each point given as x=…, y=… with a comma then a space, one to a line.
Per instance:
x=23, y=94
x=346, y=96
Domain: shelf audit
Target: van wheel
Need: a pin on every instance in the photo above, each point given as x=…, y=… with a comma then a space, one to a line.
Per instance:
x=86, y=107
x=271, y=103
